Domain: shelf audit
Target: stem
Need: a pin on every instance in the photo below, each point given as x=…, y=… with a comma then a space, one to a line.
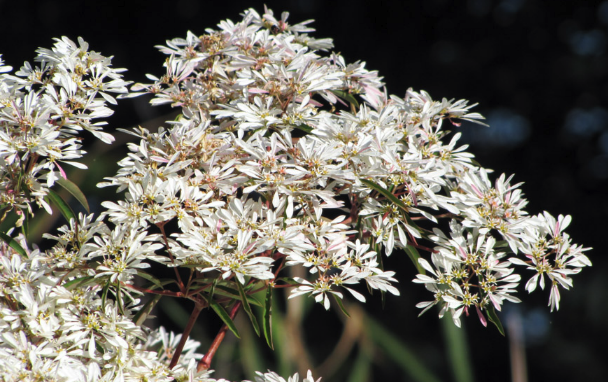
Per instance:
x=191, y=321
x=276, y=273
x=416, y=245
x=197, y=291
x=179, y=279
x=446, y=215
x=161, y=292
x=205, y=362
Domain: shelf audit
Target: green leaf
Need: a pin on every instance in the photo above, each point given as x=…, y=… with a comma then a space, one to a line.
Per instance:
x=247, y=308
x=13, y=244
x=268, y=317
x=386, y=193
x=288, y=280
x=72, y=284
x=64, y=208
x=230, y=292
x=157, y=283
x=212, y=291
x=119, y=302
x=341, y=305
x=145, y=311
x=412, y=252
x=219, y=310
x=304, y=128
x=25, y=226
x=493, y=317
x=104, y=294
x=347, y=97
x=73, y=189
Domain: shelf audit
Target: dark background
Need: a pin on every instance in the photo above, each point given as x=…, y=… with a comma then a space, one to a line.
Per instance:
x=538, y=70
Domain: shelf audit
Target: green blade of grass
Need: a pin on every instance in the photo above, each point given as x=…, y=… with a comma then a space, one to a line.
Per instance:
x=399, y=352
x=457, y=350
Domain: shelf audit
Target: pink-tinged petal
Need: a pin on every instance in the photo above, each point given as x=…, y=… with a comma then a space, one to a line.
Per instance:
x=482, y=318
x=463, y=254
x=257, y=91
x=159, y=159
x=495, y=302
x=554, y=298
x=61, y=171
x=479, y=193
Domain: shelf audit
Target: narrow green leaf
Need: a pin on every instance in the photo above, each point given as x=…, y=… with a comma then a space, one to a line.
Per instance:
x=224, y=291
x=73, y=189
x=341, y=305
x=72, y=284
x=219, y=310
x=13, y=244
x=212, y=291
x=268, y=317
x=412, y=252
x=493, y=317
x=64, y=208
x=304, y=128
x=247, y=308
x=25, y=226
x=229, y=292
x=502, y=244
x=104, y=294
x=119, y=302
x=157, y=283
x=376, y=187
x=347, y=97
x=145, y=311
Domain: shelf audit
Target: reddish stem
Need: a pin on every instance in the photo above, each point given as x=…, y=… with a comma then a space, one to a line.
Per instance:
x=205, y=362
x=161, y=292
x=191, y=321
x=161, y=226
x=416, y=245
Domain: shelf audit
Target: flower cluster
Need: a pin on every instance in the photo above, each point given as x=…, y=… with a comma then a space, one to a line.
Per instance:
x=245, y=189
x=43, y=110
x=58, y=323
x=284, y=155
x=276, y=143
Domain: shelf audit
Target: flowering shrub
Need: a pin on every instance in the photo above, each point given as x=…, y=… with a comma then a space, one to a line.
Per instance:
x=283, y=156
